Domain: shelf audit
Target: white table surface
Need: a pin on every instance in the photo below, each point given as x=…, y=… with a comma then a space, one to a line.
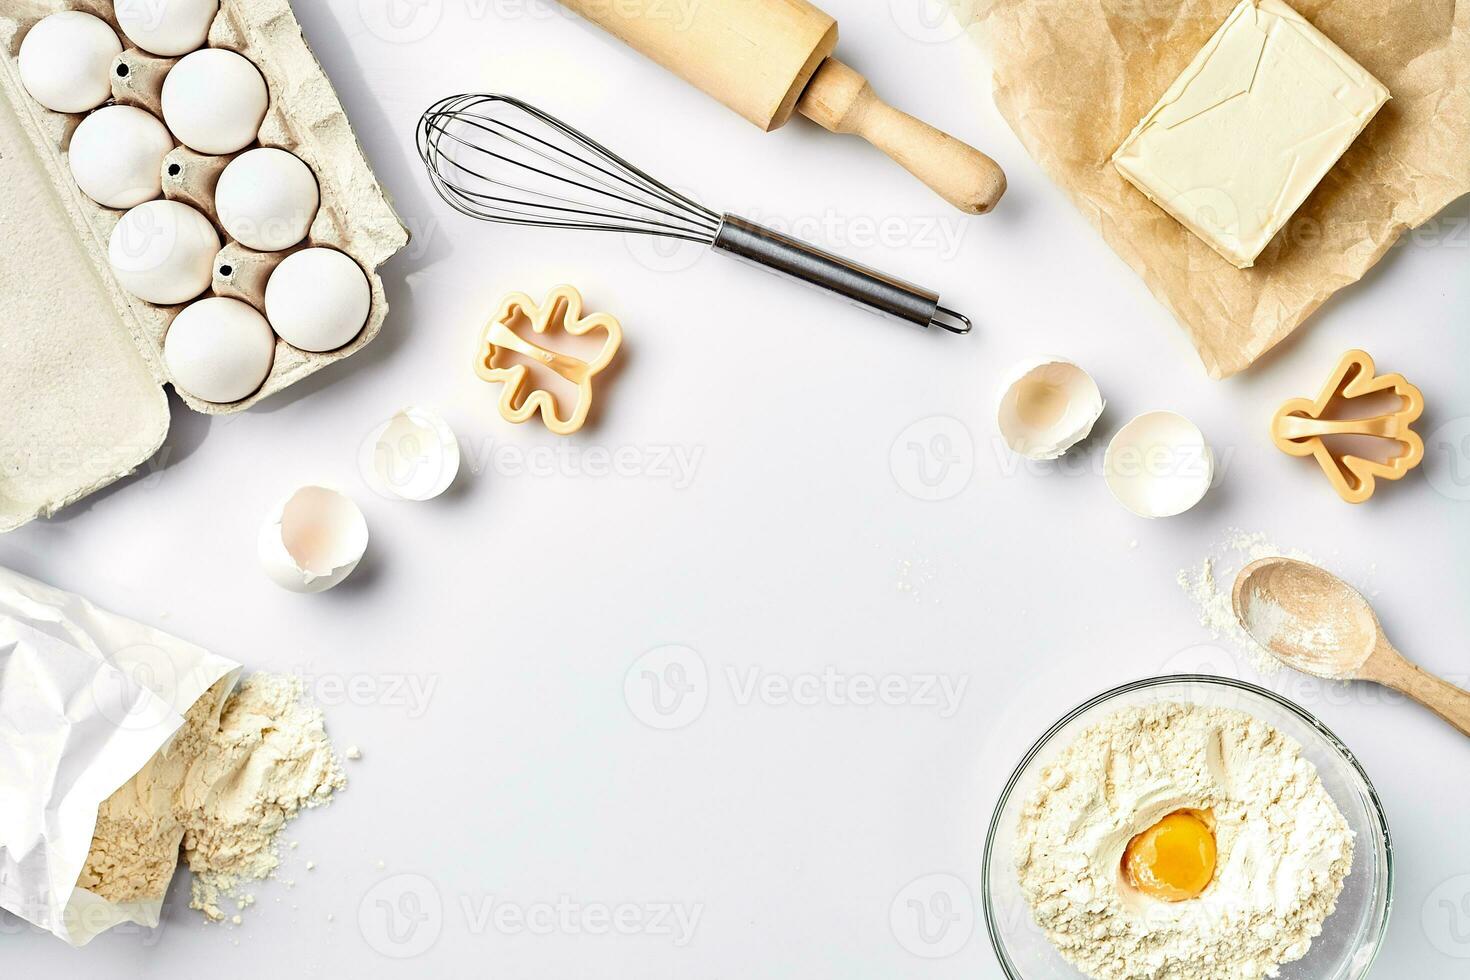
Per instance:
x=487, y=638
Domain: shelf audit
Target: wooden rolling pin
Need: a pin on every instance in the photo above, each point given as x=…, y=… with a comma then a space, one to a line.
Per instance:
x=766, y=58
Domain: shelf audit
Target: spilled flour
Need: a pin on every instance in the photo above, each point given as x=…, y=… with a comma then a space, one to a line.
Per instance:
x=1210, y=584
x=222, y=790
x=1284, y=847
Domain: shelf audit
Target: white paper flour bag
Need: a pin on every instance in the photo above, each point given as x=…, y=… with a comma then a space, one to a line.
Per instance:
x=87, y=698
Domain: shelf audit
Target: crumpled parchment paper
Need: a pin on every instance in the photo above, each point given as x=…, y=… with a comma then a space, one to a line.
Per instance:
x=1072, y=77
x=86, y=699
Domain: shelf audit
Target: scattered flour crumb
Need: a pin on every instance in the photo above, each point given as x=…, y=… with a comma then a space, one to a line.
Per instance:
x=353, y=752
x=1210, y=583
x=914, y=577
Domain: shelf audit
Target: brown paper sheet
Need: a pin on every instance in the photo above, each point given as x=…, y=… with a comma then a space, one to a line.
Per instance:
x=1072, y=77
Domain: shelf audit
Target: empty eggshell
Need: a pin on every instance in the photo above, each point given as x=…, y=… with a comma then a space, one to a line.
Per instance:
x=66, y=61
x=313, y=540
x=1159, y=465
x=412, y=456
x=166, y=27
x=317, y=299
x=266, y=199
x=163, y=252
x=1047, y=407
x=117, y=154
x=214, y=101
x=219, y=349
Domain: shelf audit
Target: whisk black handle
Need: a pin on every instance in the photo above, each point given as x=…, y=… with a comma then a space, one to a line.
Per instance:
x=856, y=283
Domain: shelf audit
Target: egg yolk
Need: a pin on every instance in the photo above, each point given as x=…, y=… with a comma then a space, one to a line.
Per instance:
x=1174, y=860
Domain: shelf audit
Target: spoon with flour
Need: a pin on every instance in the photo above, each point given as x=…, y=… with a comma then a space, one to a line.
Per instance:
x=1315, y=622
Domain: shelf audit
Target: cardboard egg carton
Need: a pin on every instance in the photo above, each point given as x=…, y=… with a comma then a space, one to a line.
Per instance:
x=81, y=360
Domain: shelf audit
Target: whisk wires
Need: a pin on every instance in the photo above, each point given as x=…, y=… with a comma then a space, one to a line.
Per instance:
x=497, y=158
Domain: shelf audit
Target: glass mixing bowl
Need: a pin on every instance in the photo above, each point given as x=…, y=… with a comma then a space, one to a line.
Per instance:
x=1350, y=938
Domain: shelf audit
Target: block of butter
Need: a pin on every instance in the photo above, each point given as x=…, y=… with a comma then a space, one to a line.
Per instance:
x=1247, y=131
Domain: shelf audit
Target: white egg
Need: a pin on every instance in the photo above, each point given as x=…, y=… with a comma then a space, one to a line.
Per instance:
x=1047, y=407
x=1159, y=465
x=219, y=349
x=214, y=101
x=166, y=27
x=411, y=456
x=117, y=154
x=163, y=252
x=266, y=199
x=317, y=299
x=313, y=540
x=66, y=61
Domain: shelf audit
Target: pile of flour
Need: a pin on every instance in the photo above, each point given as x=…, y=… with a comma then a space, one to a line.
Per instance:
x=1284, y=847
x=223, y=788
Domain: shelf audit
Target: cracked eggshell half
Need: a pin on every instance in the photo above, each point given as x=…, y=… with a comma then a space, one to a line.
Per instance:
x=313, y=540
x=412, y=456
x=1047, y=406
x=1159, y=465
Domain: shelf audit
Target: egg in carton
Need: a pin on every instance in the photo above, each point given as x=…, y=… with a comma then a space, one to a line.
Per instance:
x=87, y=356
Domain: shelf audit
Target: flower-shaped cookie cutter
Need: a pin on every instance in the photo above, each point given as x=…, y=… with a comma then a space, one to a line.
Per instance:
x=1303, y=426
x=503, y=351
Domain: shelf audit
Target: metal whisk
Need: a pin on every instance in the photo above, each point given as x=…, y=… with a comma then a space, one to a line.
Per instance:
x=500, y=159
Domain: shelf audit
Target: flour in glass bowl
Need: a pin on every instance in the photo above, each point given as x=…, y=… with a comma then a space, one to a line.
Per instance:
x=1284, y=848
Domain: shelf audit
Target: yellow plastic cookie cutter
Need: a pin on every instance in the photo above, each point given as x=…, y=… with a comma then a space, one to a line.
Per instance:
x=562, y=312
x=1302, y=425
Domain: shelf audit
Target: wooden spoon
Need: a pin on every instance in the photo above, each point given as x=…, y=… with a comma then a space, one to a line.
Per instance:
x=1317, y=623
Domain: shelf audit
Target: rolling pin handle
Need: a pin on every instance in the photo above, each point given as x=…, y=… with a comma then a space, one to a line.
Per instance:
x=841, y=100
